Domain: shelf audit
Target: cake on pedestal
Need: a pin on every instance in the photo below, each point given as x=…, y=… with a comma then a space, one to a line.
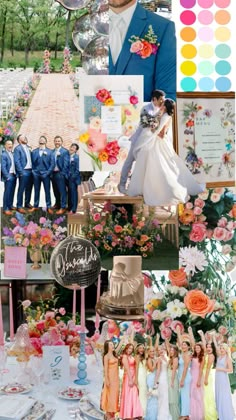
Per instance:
x=125, y=299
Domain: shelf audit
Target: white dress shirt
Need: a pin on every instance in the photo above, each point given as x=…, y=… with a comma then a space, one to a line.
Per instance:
x=27, y=151
x=118, y=27
x=12, y=168
x=57, y=151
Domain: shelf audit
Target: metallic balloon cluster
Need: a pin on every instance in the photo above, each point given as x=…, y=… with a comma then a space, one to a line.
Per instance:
x=90, y=34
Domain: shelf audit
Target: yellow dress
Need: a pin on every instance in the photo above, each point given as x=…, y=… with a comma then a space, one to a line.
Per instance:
x=209, y=396
x=110, y=395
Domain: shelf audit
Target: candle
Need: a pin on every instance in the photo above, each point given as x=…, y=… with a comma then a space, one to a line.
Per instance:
x=82, y=311
x=11, y=314
x=74, y=306
x=97, y=320
x=1, y=324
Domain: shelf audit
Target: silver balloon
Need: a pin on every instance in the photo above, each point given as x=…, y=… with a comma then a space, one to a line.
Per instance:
x=83, y=32
x=100, y=22
x=95, y=56
x=73, y=4
x=98, y=6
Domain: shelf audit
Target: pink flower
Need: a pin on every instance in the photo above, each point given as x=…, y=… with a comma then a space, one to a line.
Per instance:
x=154, y=48
x=96, y=217
x=175, y=324
x=49, y=315
x=42, y=220
x=98, y=228
x=189, y=205
x=97, y=140
x=14, y=221
x=166, y=333
x=215, y=197
x=219, y=190
x=37, y=344
x=136, y=46
x=167, y=322
x=127, y=111
x=133, y=99
x=138, y=328
x=199, y=203
x=112, y=160
x=147, y=280
x=222, y=330
x=102, y=95
x=197, y=211
x=231, y=225
x=26, y=303
x=201, y=218
x=219, y=234
x=31, y=228
x=62, y=311
x=25, y=242
x=222, y=222
x=198, y=232
x=228, y=236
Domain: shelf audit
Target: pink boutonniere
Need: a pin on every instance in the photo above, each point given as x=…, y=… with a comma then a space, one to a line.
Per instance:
x=146, y=46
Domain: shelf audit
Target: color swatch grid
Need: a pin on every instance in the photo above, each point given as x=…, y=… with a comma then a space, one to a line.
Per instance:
x=205, y=42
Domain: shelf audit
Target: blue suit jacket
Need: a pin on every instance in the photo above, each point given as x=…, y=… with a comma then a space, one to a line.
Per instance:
x=20, y=159
x=48, y=162
x=63, y=161
x=159, y=70
x=5, y=165
x=74, y=172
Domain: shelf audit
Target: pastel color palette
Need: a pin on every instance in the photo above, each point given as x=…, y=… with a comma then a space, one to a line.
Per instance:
x=205, y=49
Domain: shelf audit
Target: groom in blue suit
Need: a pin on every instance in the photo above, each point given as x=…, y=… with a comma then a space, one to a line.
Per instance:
x=42, y=168
x=128, y=19
x=60, y=175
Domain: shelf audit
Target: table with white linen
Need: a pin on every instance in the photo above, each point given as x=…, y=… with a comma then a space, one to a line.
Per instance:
x=47, y=393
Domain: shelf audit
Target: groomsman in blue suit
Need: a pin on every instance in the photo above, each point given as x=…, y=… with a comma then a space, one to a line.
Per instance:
x=23, y=165
x=157, y=63
x=60, y=175
x=42, y=168
x=8, y=175
x=74, y=178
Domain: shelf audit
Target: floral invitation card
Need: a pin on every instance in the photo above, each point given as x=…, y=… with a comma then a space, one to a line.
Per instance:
x=109, y=115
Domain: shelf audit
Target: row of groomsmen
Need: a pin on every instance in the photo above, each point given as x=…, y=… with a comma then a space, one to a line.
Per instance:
x=42, y=165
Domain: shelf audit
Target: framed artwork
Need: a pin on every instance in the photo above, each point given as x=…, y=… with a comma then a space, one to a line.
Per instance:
x=205, y=136
x=109, y=114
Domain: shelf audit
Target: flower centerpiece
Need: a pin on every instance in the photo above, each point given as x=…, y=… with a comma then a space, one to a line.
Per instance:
x=49, y=325
x=42, y=236
x=110, y=231
x=196, y=295
x=66, y=67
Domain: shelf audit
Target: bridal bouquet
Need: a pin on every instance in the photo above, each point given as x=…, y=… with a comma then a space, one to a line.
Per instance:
x=150, y=121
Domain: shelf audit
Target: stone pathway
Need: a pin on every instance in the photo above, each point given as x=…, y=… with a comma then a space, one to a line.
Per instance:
x=54, y=110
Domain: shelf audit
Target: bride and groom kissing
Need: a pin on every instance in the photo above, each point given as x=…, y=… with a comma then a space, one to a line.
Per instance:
x=159, y=174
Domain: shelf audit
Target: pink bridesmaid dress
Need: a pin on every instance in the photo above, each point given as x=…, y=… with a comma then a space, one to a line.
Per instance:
x=196, y=393
x=130, y=406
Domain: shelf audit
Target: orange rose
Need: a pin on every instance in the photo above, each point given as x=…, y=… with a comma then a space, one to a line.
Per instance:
x=233, y=211
x=198, y=303
x=178, y=277
x=146, y=51
x=187, y=217
x=103, y=156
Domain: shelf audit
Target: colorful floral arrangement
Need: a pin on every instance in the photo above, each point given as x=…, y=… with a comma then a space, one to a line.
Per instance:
x=43, y=236
x=50, y=326
x=7, y=131
x=208, y=221
x=111, y=232
x=104, y=96
x=146, y=46
x=46, y=63
x=66, y=67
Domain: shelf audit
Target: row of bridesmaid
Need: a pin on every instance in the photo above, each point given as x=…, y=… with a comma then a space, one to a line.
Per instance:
x=168, y=382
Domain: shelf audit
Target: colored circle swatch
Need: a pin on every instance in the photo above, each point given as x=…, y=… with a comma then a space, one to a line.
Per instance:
x=188, y=17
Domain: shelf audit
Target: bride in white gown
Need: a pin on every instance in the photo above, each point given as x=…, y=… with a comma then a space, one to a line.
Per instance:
x=160, y=175
x=162, y=381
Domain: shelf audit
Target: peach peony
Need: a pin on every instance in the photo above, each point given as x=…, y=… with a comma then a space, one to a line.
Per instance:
x=187, y=217
x=198, y=303
x=178, y=277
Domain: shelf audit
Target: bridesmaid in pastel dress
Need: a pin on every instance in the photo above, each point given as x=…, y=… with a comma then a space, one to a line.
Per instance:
x=223, y=397
x=196, y=387
x=173, y=383
x=141, y=375
x=110, y=391
x=184, y=380
x=209, y=380
x=152, y=403
x=130, y=406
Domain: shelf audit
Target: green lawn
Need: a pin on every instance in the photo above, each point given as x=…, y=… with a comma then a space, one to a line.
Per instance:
x=36, y=60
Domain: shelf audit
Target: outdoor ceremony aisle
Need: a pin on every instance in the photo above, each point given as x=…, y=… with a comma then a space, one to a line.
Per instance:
x=54, y=110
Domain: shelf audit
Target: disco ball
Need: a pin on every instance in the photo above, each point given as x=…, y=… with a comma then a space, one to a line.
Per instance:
x=73, y=4
x=100, y=22
x=83, y=32
x=75, y=263
x=95, y=56
x=98, y=6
